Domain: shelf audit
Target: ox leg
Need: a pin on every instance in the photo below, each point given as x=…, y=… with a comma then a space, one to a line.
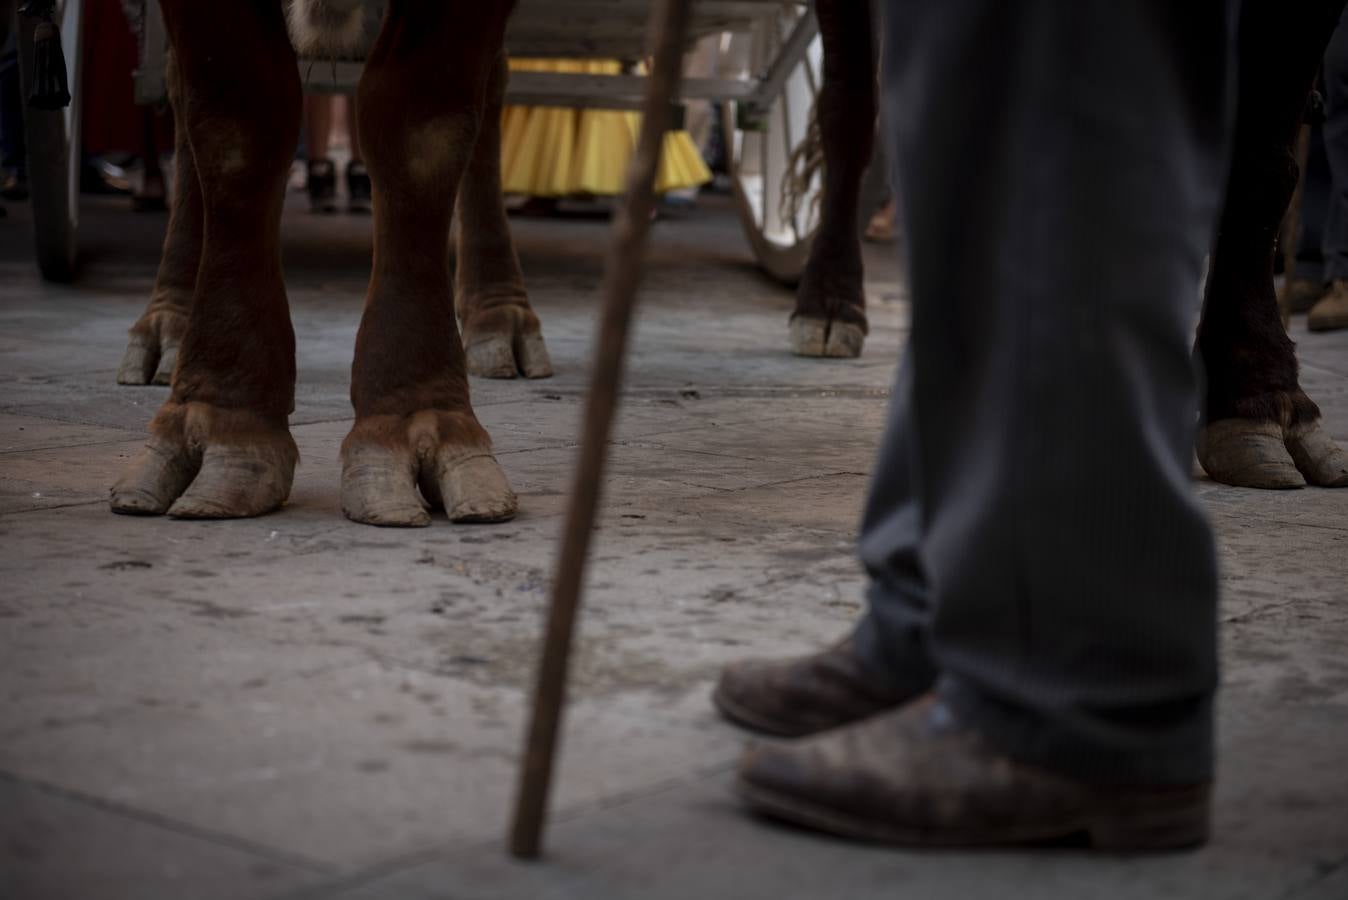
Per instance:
x=830, y=315
x=501, y=334
x=220, y=446
x=152, y=348
x=419, y=113
x=1262, y=430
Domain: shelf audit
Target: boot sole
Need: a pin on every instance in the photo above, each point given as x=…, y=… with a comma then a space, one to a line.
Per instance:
x=1143, y=821
x=746, y=718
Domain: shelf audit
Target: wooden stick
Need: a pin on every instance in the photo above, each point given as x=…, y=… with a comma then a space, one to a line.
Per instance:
x=622, y=274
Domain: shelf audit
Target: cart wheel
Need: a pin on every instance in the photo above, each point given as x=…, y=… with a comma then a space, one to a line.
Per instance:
x=53, y=150
x=767, y=147
x=775, y=163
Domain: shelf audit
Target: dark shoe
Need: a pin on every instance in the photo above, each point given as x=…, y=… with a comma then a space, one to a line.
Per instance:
x=801, y=695
x=1331, y=312
x=1300, y=294
x=542, y=207
x=358, y=190
x=917, y=777
x=14, y=186
x=322, y=185
x=152, y=196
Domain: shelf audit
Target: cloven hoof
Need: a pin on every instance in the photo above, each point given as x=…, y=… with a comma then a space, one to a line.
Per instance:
x=393, y=468
x=206, y=463
x=810, y=336
x=504, y=342
x=1247, y=453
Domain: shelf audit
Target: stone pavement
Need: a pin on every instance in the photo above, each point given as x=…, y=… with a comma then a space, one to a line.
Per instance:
x=300, y=707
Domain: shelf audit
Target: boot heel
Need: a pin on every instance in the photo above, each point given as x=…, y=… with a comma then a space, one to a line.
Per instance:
x=1153, y=819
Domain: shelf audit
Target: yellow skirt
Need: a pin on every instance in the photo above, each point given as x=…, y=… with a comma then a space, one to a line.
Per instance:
x=557, y=152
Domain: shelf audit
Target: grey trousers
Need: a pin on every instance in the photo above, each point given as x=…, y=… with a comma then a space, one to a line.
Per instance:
x=1035, y=549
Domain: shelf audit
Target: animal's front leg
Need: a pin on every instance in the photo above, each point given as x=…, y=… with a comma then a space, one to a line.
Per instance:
x=220, y=446
x=501, y=332
x=1262, y=430
x=419, y=110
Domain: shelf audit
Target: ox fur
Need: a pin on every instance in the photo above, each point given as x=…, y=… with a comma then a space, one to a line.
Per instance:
x=326, y=28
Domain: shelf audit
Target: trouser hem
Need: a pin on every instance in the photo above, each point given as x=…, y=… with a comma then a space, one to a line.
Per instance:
x=909, y=670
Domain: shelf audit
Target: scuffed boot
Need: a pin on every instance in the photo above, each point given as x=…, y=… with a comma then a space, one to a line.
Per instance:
x=919, y=777
x=1331, y=312
x=801, y=695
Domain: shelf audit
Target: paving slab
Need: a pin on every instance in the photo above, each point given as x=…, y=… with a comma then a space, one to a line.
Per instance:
x=298, y=706
x=692, y=839
x=62, y=846
x=35, y=433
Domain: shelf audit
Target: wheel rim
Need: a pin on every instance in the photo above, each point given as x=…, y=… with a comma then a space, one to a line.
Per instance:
x=779, y=224
x=71, y=19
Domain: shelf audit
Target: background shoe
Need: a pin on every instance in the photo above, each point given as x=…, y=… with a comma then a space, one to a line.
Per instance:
x=13, y=186
x=880, y=229
x=103, y=176
x=322, y=186
x=918, y=777
x=358, y=190
x=1300, y=294
x=1331, y=312
x=801, y=695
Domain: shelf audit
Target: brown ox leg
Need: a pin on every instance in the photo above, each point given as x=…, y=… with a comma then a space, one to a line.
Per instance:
x=830, y=316
x=1262, y=429
x=220, y=446
x=419, y=112
x=501, y=333
x=152, y=349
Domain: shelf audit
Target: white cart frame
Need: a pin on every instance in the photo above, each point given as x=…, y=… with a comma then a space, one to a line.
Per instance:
x=768, y=72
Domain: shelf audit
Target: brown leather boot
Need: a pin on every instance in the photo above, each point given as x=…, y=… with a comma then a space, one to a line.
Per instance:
x=1300, y=294
x=801, y=695
x=1331, y=312
x=917, y=777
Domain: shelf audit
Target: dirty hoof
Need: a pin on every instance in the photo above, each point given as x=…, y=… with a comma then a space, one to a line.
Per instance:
x=1244, y=453
x=202, y=462
x=386, y=459
x=1322, y=462
x=152, y=348
x=504, y=342
x=820, y=337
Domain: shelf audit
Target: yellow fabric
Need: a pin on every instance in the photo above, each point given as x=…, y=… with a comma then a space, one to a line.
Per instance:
x=555, y=152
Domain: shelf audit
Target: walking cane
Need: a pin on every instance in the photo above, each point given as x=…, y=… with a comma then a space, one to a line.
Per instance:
x=622, y=274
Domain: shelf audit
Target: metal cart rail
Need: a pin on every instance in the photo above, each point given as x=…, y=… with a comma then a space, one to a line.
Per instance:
x=766, y=74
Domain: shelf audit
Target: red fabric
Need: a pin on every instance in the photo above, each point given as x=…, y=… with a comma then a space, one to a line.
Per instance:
x=112, y=121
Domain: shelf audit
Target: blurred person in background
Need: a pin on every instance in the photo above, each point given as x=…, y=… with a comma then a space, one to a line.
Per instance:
x=325, y=114
x=1319, y=286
